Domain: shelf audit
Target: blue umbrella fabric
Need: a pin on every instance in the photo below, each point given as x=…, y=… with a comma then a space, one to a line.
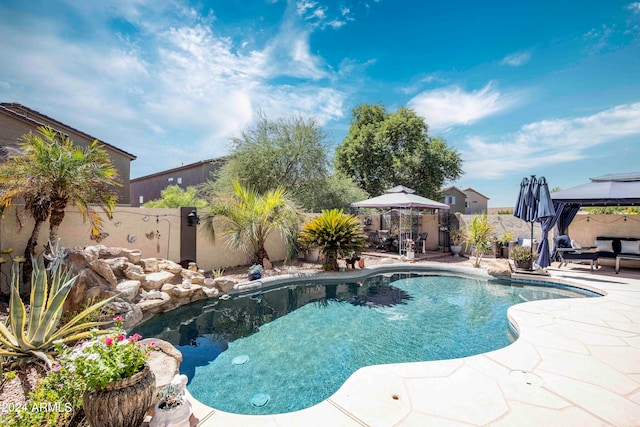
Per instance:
x=534, y=204
x=544, y=212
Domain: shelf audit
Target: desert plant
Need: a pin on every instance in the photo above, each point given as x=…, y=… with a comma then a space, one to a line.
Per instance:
x=457, y=237
x=478, y=236
x=171, y=396
x=248, y=218
x=334, y=233
x=505, y=238
x=35, y=334
x=217, y=273
x=522, y=254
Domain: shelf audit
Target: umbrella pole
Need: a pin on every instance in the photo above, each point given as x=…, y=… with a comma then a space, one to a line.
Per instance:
x=531, y=248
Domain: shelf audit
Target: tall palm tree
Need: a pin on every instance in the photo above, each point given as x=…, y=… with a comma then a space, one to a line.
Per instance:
x=49, y=174
x=248, y=218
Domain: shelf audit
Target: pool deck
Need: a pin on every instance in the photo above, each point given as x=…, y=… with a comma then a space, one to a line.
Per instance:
x=576, y=362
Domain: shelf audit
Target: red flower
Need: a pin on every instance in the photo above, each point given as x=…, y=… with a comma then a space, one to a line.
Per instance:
x=120, y=337
x=118, y=319
x=108, y=340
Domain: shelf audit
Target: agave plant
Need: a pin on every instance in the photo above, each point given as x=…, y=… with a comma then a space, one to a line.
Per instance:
x=334, y=233
x=33, y=335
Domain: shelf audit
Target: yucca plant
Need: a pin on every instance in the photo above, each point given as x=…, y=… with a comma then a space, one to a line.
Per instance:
x=478, y=236
x=33, y=335
x=334, y=233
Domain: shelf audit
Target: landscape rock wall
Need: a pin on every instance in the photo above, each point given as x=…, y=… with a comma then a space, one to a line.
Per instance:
x=142, y=286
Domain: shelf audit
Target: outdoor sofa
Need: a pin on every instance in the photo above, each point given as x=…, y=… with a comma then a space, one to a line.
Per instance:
x=569, y=251
x=618, y=248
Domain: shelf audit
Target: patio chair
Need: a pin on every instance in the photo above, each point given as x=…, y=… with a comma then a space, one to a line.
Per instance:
x=420, y=242
x=569, y=251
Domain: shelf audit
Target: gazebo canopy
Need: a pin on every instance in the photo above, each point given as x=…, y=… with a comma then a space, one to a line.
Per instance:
x=400, y=197
x=621, y=189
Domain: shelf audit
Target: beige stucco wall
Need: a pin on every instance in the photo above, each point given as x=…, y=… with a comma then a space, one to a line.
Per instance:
x=133, y=228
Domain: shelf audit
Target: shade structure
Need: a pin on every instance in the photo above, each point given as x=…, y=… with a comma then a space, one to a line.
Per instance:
x=621, y=189
x=534, y=204
x=400, y=197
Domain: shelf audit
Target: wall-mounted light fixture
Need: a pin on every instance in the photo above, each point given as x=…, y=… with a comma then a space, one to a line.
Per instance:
x=193, y=219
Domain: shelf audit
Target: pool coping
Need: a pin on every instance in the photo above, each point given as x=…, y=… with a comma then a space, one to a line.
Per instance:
x=576, y=361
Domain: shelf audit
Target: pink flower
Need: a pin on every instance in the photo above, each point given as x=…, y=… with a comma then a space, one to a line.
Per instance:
x=108, y=340
x=56, y=367
x=118, y=319
x=134, y=337
x=120, y=337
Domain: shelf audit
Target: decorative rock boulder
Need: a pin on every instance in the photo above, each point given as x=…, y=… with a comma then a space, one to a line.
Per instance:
x=224, y=285
x=134, y=272
x=154, y=281
x=129, y=288
x=101, y=267
x=150, y=265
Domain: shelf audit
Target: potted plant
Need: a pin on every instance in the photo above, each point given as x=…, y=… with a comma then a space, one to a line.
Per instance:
x=504, y=240
x=522, y=257
x=173, y=409
x=457, y=239
x=255, y=272
x=116, y=375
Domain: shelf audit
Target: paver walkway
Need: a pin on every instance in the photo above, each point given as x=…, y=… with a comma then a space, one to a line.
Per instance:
x=576, y=363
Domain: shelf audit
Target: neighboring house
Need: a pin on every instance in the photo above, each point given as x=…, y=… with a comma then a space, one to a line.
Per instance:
x=149, y=187
x=455, y=198
x=17, y=120
x=467, y=201
x=477, y=203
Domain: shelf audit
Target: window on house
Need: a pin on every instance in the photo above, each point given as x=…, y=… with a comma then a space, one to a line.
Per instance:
x=170, y=179
x=450, y=200
x=179, y=180
x=466, y=204
x=141, y=199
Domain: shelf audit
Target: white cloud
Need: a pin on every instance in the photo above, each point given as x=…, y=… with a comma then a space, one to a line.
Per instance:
x=634, y=7
x=516, y=59
x=175, y=94
x=452, y=106
x=599, y=37
x=549, y=142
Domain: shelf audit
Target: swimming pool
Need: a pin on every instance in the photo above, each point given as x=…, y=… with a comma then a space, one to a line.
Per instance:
x=289, y=348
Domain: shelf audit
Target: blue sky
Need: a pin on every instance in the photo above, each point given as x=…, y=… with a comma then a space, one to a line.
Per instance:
x=549, y=88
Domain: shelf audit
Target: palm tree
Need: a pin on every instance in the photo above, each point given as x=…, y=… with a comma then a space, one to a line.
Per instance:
x=334, y=233
x=248, y=218
x=48, y=174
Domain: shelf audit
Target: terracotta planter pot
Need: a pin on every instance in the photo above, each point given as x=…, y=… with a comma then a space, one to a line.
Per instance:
x=121, y=403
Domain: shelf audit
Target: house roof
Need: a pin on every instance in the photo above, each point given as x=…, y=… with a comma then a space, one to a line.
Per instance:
x=453, y=187
x=475, y=191
x=26, y=114
x=182, y=168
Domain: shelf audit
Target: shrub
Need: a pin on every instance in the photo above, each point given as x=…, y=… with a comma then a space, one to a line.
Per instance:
x=478, y=236
x=334, y=233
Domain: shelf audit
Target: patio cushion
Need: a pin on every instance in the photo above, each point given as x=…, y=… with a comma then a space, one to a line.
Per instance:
x=563, y=241
x=604, y=245
x=630, y=247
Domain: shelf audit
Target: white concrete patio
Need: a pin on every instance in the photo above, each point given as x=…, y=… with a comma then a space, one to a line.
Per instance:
x=576, y=362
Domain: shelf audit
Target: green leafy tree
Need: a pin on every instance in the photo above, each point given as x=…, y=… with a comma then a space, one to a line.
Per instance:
x=288, y=152
x=248, y=218
x=384, y=149
x=613, y=210
x=334, y=233
x=49, y=174
x=174, y=196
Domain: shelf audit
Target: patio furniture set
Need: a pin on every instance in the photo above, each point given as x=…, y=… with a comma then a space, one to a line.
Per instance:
x=618, y=248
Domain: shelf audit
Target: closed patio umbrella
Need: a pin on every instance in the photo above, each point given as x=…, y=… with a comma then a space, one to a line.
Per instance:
x=534, y=204
x=546, y=216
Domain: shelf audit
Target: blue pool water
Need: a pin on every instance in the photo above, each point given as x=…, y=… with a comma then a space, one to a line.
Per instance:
x=292, y=347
